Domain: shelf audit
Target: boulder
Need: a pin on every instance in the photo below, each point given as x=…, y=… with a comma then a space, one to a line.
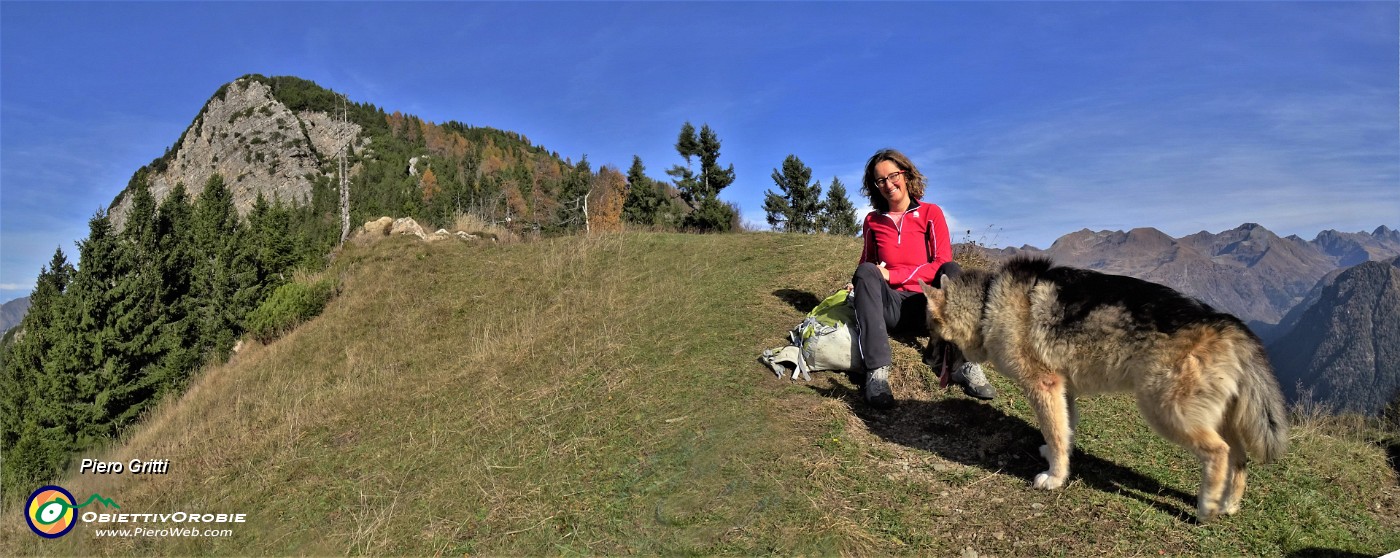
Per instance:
x=378, y=227
x=407, y=225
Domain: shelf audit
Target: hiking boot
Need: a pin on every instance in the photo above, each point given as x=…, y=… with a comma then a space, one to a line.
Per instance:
x=877, y=388
x=973, y=381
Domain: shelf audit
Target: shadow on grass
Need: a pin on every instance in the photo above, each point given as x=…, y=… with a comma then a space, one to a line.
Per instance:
x=803, y=301
x=1392, y=452
x=980, y=435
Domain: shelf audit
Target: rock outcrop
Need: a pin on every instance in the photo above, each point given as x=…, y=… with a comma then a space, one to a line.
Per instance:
x=253, y=140
x=386, y=226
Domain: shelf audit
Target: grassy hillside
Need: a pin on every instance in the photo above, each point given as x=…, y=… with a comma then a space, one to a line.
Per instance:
x=600, y=396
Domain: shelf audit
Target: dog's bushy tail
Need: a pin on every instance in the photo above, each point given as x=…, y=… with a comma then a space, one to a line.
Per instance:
x=1259, y=414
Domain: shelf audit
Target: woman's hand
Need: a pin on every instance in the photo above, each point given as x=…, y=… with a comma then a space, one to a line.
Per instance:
x=883, y=273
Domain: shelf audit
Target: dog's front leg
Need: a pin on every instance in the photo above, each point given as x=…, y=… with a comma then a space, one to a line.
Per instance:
x=1047, y=396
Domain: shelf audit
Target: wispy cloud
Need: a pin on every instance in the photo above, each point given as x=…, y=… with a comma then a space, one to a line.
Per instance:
x=1296, y=163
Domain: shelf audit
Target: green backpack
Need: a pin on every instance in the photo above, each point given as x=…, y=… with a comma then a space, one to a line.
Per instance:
x=825, y=340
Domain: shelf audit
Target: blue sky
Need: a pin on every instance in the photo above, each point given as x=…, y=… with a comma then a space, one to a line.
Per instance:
x=1032, y=120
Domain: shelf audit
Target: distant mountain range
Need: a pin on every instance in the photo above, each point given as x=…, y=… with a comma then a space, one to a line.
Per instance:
x=1327, y=308
x=12, y=313
x=1344, y=348
x=1248, y=271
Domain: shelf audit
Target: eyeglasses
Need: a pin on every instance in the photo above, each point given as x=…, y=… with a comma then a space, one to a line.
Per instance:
x=895, y=177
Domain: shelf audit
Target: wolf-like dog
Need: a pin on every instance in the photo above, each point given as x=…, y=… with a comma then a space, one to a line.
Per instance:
x=1200, y=377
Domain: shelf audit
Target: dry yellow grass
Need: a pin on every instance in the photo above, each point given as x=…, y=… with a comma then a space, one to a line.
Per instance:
x=598, y=395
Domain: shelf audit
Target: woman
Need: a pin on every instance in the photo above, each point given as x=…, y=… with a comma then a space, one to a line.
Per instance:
x=906, y=241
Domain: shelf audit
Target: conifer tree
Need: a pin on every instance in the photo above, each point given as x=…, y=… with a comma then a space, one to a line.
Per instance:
x=179, y=338
x=701, y=191
x=713, y=179
x=838, y=215
x=224, y=283
x=89, y=346
x=777, y=210
x=688, y=146
x=126, y=385
x=573, y=196
x=273, y=250
x=647, y=203
x=798, y=201
x=23, y=361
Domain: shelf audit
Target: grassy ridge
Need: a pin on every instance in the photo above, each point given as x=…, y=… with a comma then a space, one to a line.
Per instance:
x=599, y=396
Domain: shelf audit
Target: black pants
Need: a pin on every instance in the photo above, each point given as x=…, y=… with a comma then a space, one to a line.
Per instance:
x=880, y=310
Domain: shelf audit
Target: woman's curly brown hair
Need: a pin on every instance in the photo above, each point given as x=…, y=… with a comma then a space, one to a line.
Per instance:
x=914, y=180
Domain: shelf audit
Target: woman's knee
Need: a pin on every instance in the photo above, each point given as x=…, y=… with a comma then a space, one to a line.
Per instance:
x=948, y=270
x=868, y=272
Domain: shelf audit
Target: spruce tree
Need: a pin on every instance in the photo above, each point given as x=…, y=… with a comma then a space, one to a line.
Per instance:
x=688, y=146
x=778, y=212
x=23, y=361
x=126, y=383
x=89, y=353
x=798, y=201
x=647, y=202
x=713, y=179
x=838, y=215
x=224, y=285
x=179, y=338
x=701, y=191
x=573, y=194
x=274, y=252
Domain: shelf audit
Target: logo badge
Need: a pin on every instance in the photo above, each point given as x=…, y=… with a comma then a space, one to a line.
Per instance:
x=50, y=512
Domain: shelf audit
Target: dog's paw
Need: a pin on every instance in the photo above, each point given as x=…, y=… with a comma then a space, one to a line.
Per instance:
x=1045, y=481
x=1207, y=511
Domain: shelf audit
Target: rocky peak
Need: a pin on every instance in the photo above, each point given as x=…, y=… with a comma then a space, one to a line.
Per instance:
x=1344, y=351
x=253, y=140
x=1353, y=248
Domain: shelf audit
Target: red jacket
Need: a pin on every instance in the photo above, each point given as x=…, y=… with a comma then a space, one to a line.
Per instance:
x=913, y=250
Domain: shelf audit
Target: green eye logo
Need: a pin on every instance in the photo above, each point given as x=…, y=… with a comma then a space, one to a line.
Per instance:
x=50, y=511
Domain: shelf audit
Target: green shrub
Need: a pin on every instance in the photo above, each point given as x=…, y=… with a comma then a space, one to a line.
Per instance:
x=289, y=306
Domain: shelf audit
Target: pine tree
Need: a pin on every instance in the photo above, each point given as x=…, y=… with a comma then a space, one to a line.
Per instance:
x=179, y=338
x=688, y=146
x=224, y=285
x=647, y=203
x=713, y=179
x=701, y=191
x=778, y=212
x=88, y=356
x=573, y=197
x=274, y=252
x=838, y=215
x=126, y=385
x=797, y=202
x=24, y=360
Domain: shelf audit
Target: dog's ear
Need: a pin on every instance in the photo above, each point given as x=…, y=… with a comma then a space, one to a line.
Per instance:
x=936, y=301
